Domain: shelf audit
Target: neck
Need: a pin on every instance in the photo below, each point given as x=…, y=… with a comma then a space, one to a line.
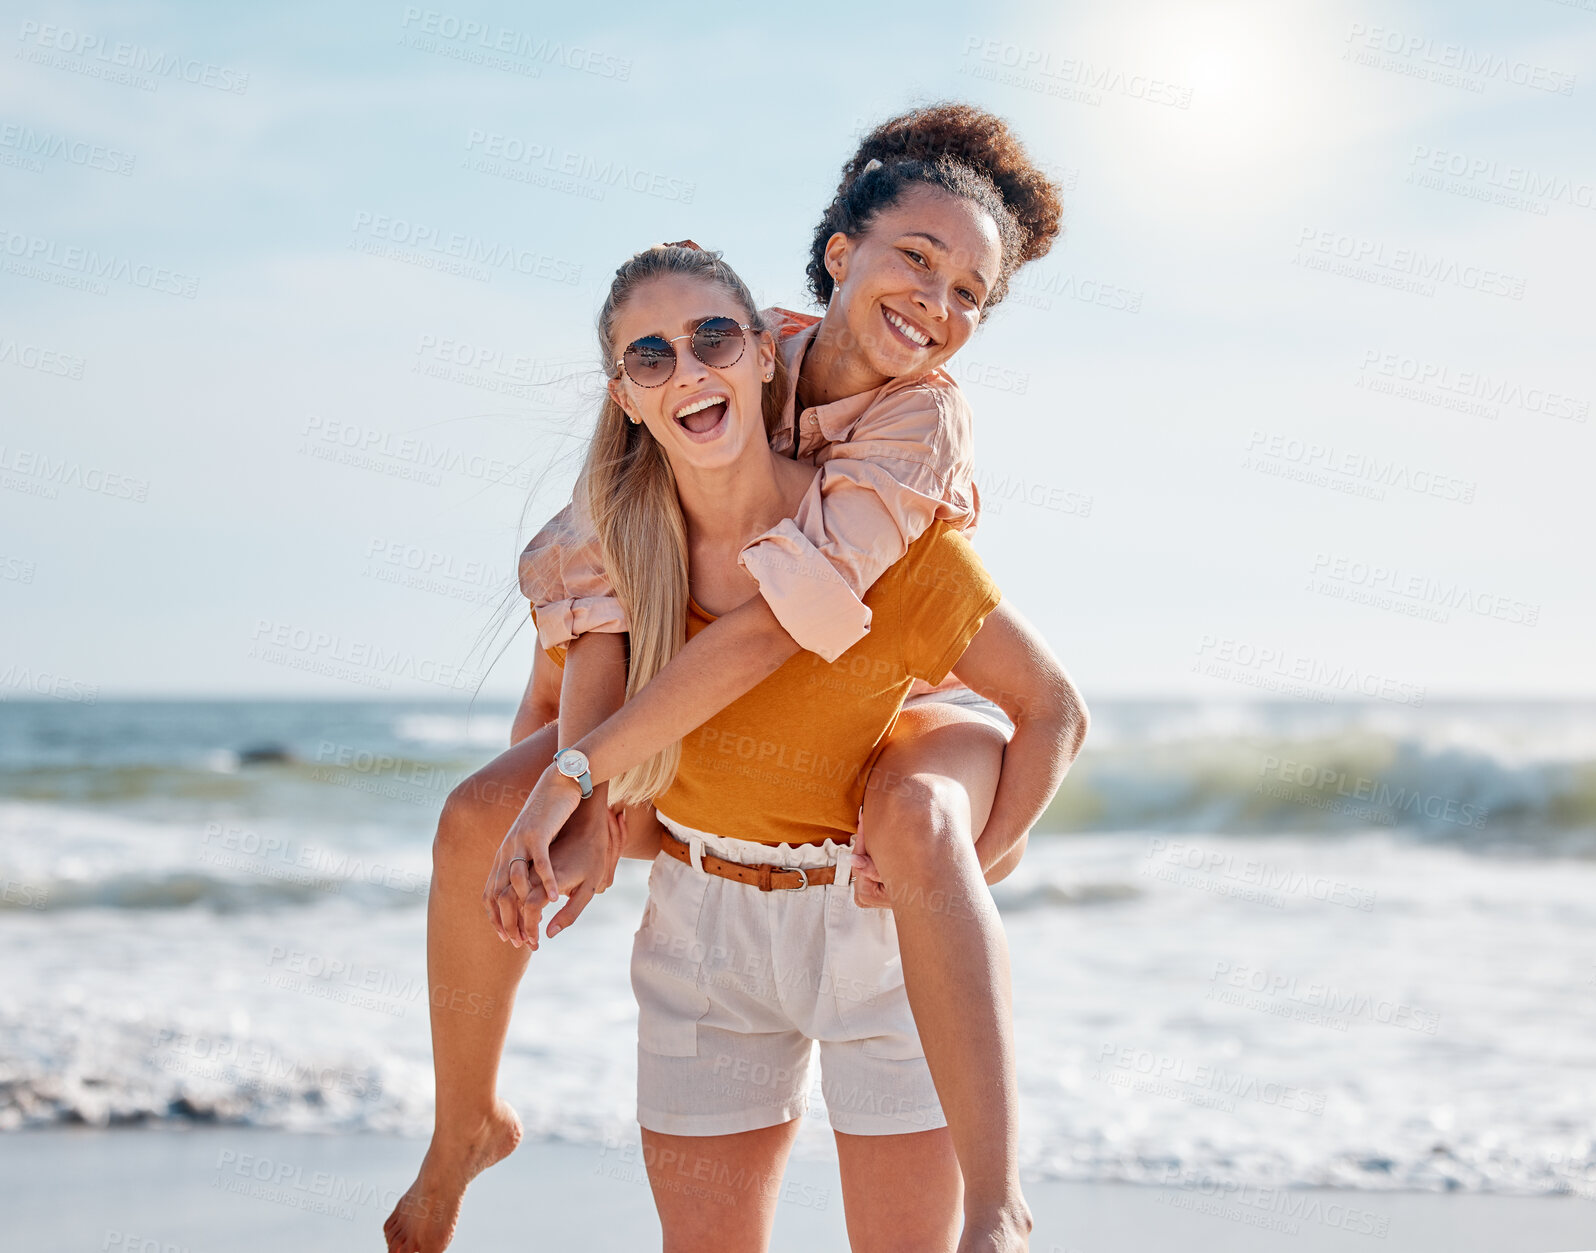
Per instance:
x=829, y=370
x=730, y=505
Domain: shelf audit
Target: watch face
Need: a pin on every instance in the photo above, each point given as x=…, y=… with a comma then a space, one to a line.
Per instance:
x=571, y=761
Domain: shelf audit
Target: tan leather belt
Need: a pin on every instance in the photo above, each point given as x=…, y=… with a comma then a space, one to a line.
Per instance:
x=765, y=877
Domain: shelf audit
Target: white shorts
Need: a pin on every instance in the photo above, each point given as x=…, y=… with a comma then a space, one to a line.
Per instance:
x=735, y=985
x=965, y=698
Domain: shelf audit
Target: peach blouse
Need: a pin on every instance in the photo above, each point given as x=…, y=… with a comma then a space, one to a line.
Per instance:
x=892, y=460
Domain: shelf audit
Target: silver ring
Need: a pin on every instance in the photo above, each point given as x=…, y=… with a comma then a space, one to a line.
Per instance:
x=513, y=860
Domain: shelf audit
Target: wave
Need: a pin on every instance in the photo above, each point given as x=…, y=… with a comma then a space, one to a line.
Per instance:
x=1476, y=796
x=57, y=858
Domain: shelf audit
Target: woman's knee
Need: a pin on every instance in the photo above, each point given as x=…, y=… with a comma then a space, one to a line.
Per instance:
x=915, y=820
x=478, y=810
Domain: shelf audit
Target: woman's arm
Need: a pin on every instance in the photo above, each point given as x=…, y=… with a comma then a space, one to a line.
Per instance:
x=1010, y=663
x=540, y=703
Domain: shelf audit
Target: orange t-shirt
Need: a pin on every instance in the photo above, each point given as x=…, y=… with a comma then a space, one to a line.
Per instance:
x=788, y=761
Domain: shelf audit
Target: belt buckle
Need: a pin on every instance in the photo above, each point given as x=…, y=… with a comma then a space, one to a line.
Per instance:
x=802, y=874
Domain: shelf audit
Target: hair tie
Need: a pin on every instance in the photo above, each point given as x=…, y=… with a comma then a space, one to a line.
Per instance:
x=684, y=243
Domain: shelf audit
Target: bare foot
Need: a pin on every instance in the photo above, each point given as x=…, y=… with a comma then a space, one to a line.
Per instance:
x=1006, y=1230
x=426, y=1216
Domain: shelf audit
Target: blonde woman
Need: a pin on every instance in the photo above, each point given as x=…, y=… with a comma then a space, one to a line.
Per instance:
x=752, y=946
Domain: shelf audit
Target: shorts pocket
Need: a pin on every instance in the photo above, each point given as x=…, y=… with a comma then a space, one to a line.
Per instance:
x=668, y=960
x=867, y=979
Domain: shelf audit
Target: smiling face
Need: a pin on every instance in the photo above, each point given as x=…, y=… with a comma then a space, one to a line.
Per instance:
x=704, y=417
x=911, y=287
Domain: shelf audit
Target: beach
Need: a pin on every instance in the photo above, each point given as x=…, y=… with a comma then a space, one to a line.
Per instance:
x=1285, y=976
x=232, y=1190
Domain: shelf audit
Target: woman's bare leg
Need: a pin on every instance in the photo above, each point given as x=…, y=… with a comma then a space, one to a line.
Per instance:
x=900, y=1193
x=472, y=976
x=718, y=1194
x=929, y=796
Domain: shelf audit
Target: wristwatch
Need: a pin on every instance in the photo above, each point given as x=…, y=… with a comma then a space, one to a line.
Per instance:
x=572, y=763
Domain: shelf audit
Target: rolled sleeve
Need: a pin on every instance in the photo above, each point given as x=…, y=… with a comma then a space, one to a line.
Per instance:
x=562, y=573
x=873, y=496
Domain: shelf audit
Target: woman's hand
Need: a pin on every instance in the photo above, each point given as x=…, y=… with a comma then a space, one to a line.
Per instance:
x=869, y=892
x=583, y=861
x=553, y=800
x=637, y=831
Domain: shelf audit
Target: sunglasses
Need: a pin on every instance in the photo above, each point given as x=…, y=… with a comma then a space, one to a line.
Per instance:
x=650, y=361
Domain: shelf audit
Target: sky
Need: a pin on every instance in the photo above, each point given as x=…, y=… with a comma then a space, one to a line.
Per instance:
x=1298, y=404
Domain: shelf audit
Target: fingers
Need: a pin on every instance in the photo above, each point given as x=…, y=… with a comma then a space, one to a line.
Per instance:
x=573, y=909
x=520, y=891
x=869, y=891
x=542, y=863
x=509, y=924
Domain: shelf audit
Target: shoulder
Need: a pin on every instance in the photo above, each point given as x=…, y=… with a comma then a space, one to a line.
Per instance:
x=942, y=559
x=785, y=323
x=934, y=401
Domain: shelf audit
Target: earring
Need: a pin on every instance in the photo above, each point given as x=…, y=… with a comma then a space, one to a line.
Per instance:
x=634, y=421
x=770, y=376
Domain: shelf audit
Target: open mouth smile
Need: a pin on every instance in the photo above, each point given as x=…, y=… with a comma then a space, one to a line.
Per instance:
x=703, y=416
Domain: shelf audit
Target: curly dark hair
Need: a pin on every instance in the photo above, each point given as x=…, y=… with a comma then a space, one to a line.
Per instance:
x=960, y=149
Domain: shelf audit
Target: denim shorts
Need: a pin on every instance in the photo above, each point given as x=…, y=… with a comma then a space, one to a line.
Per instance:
x=735, y=986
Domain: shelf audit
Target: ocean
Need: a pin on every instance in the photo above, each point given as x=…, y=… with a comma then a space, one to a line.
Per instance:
x=1343, y=945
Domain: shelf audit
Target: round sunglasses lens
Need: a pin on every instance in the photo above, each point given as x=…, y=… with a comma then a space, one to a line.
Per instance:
x=649, y=361
x=718, y=342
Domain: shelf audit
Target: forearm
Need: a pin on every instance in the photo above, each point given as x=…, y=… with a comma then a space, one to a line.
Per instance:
x=540, y=703
x=1034, y=765
x=593, y=688
x=724, y=661
x=1009, y=662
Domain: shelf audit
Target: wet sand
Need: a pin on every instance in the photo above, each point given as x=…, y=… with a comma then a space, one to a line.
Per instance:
x=240, y=1190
